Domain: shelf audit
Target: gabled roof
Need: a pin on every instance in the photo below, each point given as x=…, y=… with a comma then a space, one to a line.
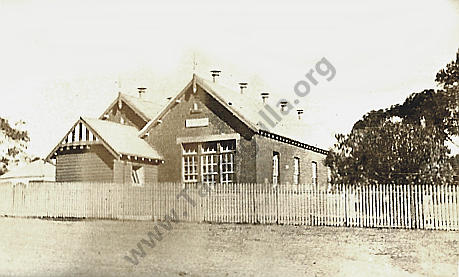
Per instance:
x=119, y=139
x=146, y=109
x=224, y=96
x=122, y=138
x=246, y=108
x=243, y=107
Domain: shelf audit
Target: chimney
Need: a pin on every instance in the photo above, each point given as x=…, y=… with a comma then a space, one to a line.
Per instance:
x=283, y=104
x=300, y=112
x=215, y=73
x=141, y=91
x=264, y=96
x=242, y=86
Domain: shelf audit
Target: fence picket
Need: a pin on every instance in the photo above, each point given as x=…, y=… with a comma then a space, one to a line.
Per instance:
x=455, y=207
x=416, y=203
x=437, y=208
x=317, y=204
x=347, y=204
x=432, y=214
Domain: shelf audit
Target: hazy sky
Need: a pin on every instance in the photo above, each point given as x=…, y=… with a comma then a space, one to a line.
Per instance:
x=59, y=61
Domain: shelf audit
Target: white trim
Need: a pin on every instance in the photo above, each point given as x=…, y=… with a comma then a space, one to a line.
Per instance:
x=209, y=138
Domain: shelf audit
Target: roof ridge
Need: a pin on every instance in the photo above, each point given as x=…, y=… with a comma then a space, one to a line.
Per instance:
x=85, y=118
x=138, y=98
x=250, y=96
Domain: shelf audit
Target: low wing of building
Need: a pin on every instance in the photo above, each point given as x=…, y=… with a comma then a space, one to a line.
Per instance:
x=36, y=171
x=104, y=151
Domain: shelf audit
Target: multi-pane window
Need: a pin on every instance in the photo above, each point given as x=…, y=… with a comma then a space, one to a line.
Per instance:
x=296, y=170
x=227, y=149
x=275, y=168
x=314, y=172
x=209, y=163
x=190, y=163
x=214, y=160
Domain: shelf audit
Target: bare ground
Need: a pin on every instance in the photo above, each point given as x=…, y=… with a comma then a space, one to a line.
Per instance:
x=33, y=247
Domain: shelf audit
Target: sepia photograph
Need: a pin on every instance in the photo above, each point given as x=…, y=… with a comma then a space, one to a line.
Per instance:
x=229, y=138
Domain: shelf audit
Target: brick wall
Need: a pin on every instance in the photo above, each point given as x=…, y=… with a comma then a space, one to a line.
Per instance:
x=264, y=169
x=253, y=159
x=164, y=136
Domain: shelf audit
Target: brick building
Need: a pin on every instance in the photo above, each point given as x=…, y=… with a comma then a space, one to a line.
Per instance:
x=207, y=133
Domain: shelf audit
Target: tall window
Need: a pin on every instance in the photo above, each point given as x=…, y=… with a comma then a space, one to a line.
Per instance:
x=214, y=160
x=209, y=163
x=227, y=149
x=296, y=170
x=190, y=163
x=275, y=168
x=314, y=172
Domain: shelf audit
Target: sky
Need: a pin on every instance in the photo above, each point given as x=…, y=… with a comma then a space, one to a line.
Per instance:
x=60, y=60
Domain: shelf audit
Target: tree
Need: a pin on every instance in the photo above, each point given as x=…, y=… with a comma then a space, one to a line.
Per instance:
x=404, y=143
x=454, y=160
x=13, y=144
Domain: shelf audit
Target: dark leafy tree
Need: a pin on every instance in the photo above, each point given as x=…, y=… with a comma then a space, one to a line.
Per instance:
x=454, y=160
x=404, y=143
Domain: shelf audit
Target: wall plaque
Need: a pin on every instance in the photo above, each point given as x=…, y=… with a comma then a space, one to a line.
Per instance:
x=197, y=122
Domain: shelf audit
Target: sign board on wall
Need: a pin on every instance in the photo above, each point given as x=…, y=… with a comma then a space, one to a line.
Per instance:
x=197, y=122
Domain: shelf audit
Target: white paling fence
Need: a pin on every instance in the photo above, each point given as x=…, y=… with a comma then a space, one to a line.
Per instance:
x=390, y=206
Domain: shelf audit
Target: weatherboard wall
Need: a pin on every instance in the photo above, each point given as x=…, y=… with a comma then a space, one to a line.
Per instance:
x=122, y=172
x=93, y=165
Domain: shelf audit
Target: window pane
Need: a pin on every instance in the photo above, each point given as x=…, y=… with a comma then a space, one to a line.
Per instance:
x=227, y=173
x=189, y=170
x=275, y=168
x=296, y=170
x=314, y=172
x=209, y=167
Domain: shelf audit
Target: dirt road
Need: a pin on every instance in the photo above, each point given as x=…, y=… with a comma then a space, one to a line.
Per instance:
x=33, y=247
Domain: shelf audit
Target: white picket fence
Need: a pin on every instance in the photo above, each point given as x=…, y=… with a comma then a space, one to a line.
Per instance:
x=390, y=206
